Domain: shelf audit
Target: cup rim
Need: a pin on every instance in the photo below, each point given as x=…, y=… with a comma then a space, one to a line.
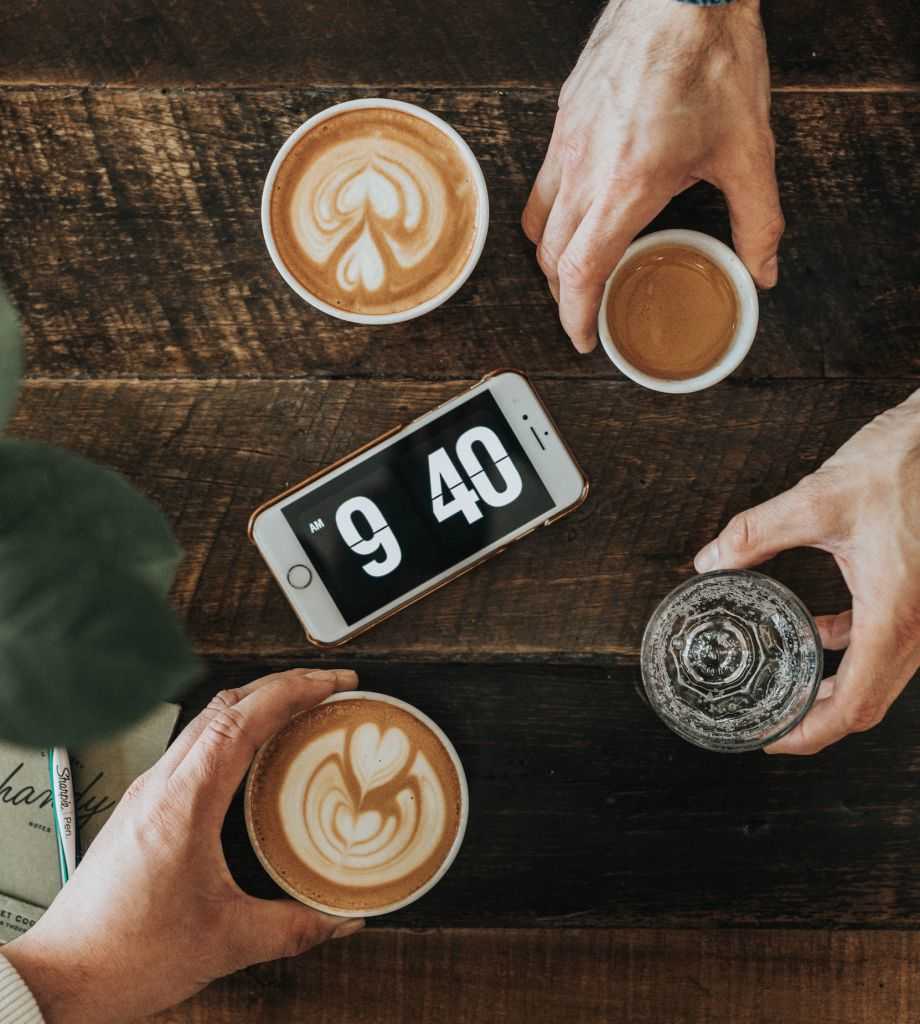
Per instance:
x=748, y=312
x=449, y=858
x=482, y=211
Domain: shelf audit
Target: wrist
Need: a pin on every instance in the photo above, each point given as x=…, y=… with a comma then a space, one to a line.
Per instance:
x=60, y=990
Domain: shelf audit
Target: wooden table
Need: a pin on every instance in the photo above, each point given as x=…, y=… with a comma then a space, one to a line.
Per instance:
x=611, y=872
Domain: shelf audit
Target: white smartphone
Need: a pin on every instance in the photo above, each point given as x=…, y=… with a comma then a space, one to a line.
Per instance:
x=417, y=507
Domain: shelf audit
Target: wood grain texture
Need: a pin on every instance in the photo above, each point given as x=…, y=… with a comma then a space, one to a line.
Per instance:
x=533, y=42
x=577, y=976
x=586, y=811
x=134, y=248
x=667, y=473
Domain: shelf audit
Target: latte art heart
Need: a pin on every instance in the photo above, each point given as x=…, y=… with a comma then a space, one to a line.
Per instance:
x=374, y=210
x=356, y=805
x=371, y=207
x=363, y=807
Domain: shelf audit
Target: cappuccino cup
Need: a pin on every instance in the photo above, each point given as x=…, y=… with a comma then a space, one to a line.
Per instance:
x=375, y=211
x=679, y=312
x=358, y=806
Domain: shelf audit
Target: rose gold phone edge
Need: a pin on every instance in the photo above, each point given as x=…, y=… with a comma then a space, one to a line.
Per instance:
x=579, y=501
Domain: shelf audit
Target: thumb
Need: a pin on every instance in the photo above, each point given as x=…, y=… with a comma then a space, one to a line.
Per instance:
x=790, y=520
x=756, y=218
x=282, y=928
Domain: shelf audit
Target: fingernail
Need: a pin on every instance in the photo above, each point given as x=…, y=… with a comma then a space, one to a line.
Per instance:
x=770, y=272
x=708, y=558
x=346, y=677
x=348, y=928
x=319, y=675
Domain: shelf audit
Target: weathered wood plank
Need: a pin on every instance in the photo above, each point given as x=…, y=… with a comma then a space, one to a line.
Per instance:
x=586, y=811
x=261, y=42
x=667, y=472
x=541, y=976
x=133, y=248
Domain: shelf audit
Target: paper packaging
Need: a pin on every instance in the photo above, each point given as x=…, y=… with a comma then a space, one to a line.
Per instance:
x=29, y=873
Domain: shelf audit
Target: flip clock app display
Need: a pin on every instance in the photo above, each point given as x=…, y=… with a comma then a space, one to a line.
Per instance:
x=418, y=507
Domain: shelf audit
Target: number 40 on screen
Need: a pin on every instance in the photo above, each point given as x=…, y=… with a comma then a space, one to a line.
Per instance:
x=450, y=496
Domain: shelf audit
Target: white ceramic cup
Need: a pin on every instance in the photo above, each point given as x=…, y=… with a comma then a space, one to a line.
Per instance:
x=748, y=311
x=482, y=212
x=451, y=853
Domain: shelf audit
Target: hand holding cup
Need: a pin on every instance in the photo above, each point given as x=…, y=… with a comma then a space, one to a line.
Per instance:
x=154, y=887
x=664, y=95
x=861, y=506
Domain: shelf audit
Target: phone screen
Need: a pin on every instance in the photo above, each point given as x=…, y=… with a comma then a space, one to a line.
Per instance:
x=418, y=507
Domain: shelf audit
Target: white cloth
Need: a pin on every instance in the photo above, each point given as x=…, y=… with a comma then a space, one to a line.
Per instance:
x=17, y=1005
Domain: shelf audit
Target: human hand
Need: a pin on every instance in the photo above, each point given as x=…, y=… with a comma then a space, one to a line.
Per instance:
x=863, y=506
x=664, y=94
x=152, y=913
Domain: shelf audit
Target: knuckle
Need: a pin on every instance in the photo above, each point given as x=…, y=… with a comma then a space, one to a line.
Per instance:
x=137, y=790
x=224, y=699
x=742, y=531
x=547, y=260
x=863, y=714
x=775, y=228
x=301, y=935
x=226, y=727
x=574, y=273
x=299, y=932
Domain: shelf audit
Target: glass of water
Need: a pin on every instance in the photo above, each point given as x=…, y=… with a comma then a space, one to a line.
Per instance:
x=731, y=660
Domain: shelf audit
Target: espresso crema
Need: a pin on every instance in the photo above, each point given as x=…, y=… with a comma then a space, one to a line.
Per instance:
x=374, y=211
x=672, y=312
x=354, y=805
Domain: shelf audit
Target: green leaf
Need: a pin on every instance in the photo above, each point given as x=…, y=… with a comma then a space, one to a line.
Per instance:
x=10, y=357
x=87, y=640
x=51, y=496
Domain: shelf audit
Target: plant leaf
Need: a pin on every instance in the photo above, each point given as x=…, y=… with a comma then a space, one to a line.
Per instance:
x=48, y=495
x=87, y=640
x=10, y=357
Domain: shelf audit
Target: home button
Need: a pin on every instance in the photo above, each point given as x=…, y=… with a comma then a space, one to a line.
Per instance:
x=299, y=576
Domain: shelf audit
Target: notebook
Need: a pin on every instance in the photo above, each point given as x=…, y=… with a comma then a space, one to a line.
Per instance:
x=29, y=873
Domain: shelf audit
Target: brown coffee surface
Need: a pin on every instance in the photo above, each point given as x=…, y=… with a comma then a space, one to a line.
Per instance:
x=672, y=312
x=354, y=804
x=374, y=211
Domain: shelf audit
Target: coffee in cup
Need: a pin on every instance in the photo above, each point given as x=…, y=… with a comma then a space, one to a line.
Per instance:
x=679, y=311
x=375, y=211
x=358, y=806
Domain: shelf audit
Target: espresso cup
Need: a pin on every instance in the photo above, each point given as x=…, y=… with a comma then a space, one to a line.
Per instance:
x=358, y=806
x=397, y=191
x=745, y=326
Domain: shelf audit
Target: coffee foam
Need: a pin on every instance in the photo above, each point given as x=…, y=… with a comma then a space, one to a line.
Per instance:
x=374, y=211
x=355, y=804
